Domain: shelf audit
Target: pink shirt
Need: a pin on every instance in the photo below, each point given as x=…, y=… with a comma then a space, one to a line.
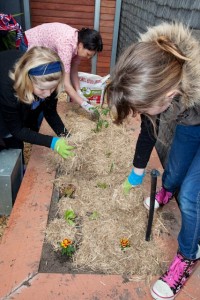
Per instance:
x=59, y=37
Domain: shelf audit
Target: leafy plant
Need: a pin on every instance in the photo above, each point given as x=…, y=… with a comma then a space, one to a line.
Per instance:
x=67, y=247
x=70, y=216
x=67, y=191
x=100, y=121
x=102, y=185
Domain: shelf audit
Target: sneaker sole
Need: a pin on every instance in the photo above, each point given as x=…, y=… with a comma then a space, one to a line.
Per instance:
x=147, y=204
x=157, y=297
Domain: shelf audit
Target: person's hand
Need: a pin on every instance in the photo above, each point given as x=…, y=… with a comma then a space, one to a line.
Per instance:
x=132, y=181
x=88, y=107
x=82, y=96
x=62, y=148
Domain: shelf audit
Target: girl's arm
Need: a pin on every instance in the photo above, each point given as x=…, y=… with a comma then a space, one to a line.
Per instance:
x=145, y=143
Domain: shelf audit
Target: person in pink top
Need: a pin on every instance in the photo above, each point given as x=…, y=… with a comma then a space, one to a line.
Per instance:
x=71, y=45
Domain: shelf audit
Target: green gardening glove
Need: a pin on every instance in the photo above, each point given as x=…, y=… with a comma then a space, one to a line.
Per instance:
x=132, y=181
x=62, y=148
x=126, y=186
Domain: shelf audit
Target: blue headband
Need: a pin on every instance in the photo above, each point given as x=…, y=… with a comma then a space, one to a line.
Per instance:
x=46, y=69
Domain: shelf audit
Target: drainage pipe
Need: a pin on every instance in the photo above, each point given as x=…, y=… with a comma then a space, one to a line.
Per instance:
x=115, y=33
x=96, y=27
x=27, y=19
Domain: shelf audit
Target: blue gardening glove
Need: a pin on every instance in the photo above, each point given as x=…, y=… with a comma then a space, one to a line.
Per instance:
x=132, y=180
x=61, y=147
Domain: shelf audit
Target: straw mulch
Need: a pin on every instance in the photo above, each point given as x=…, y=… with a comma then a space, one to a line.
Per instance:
x=104, y=215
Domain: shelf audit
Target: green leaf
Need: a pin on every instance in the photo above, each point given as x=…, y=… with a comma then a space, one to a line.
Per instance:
x=111, y=167
x=70, y=222
x=69, y=214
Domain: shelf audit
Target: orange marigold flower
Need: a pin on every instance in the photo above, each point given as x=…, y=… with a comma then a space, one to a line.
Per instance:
x=125, y=243
x=65, y=243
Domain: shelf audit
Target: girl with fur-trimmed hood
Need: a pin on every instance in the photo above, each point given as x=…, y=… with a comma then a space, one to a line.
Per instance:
x=160, y=75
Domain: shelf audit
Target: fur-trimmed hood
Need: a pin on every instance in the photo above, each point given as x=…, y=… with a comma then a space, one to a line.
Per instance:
x=190, y=47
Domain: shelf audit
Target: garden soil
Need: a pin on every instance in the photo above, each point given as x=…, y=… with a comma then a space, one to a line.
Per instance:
x=89, y=185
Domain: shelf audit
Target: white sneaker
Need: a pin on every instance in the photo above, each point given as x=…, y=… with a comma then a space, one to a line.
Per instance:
x=147, y=203
x=162, y=197
x=166, y=291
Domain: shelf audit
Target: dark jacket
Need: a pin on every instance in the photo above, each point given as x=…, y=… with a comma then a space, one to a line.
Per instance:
x=14, y=114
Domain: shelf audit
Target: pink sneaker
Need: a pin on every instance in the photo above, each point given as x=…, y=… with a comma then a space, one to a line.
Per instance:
x=162, y=198
x=169, y=284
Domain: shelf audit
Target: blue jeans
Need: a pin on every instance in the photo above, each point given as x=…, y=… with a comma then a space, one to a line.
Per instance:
x=183, y=173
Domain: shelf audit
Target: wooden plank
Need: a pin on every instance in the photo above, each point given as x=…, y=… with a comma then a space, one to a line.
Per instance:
x=108, y=3
x=102, y=64
x=103, y=71
x=56, y=13
x=106, y=17
x=76, y=3
x=106, y=29
x=107, y=10
x=107, y=36
x=106, y=23
x=43, y=19
x=107, y=46
x=77, y=26
x=103, y=59
x=63, y=7
x=105, y=53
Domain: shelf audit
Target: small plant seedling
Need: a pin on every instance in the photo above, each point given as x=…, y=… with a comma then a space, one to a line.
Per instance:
x=112, y=167
x=100, y=122
x=70, y=216
x=102, y=185
x=67, y=191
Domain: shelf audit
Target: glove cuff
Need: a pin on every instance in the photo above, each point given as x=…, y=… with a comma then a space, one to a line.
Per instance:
x=135, y=179
x=53, y=142
x=87, y=106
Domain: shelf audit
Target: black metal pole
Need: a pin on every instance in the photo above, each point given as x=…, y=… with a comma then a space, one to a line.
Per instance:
x=154, y=174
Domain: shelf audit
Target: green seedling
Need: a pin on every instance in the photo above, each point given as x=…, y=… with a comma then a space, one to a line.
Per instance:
x=102, y=185
x=70, y=216
x=112, y=167
x=100, y=122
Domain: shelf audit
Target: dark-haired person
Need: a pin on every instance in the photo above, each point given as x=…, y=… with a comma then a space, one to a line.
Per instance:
x=29, y=84
x=71, y=45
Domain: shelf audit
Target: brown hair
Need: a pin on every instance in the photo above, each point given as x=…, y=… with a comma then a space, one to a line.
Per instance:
x=143, y=75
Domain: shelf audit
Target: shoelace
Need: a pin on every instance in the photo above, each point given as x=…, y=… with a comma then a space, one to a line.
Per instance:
x=176, y=271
